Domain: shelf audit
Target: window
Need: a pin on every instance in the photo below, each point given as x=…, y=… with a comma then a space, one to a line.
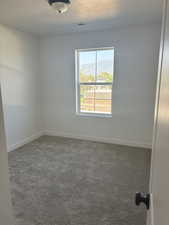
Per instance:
x=94, y=79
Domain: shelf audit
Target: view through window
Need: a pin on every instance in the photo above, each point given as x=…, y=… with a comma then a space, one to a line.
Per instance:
x=95, y=71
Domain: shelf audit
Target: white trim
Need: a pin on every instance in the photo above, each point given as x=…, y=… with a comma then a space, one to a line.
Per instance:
x=94, y=49
x=90, y=114
x=77, y=81
x=150, y=212
x=25, y=141
x=82, y=137
x=99, y=139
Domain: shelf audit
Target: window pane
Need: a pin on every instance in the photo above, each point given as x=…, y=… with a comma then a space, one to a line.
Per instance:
x=95, y=98
x=105, y=64
x=103, y=96
x=87, y=98
x=87, y=66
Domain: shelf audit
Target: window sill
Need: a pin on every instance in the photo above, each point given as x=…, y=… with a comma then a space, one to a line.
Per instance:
x=100, y=115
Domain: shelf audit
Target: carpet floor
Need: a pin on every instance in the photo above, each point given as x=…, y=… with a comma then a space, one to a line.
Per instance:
x=62, y=181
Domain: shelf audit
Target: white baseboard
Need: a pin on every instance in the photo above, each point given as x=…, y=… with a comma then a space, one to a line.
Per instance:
x=25, y=141
x=83, y=137
x=99, y=139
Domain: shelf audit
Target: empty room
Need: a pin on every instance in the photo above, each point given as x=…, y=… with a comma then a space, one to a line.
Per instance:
x=80, y=86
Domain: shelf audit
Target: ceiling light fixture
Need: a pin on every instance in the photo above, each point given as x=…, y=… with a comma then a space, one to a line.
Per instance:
x=60, y=6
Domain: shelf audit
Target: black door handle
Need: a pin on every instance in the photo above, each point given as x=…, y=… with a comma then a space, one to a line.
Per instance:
x=142, y=198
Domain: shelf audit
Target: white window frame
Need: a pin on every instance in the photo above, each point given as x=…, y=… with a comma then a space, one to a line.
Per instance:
x=77, y=84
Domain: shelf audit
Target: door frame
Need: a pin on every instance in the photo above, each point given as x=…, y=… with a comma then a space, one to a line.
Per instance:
x=6, y=214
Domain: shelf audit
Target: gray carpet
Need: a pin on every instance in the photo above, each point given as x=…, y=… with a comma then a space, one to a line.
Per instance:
x=60, y=181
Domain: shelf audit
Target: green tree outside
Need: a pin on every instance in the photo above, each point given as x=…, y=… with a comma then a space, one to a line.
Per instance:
x=104, y=77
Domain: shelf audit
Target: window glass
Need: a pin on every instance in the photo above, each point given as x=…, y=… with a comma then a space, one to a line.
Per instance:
x=94, y=81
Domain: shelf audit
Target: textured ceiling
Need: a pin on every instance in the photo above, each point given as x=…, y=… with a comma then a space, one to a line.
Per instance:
x=36, y=16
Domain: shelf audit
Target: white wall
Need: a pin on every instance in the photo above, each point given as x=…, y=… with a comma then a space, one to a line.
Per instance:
x=19, y=71
x=22, y=76
x=136, y=62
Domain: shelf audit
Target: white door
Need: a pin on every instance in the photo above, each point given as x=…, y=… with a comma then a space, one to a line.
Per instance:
x=6, y=217
x=159, y=182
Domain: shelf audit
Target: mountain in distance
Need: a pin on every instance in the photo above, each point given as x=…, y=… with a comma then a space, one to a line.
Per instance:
x=102, y=66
